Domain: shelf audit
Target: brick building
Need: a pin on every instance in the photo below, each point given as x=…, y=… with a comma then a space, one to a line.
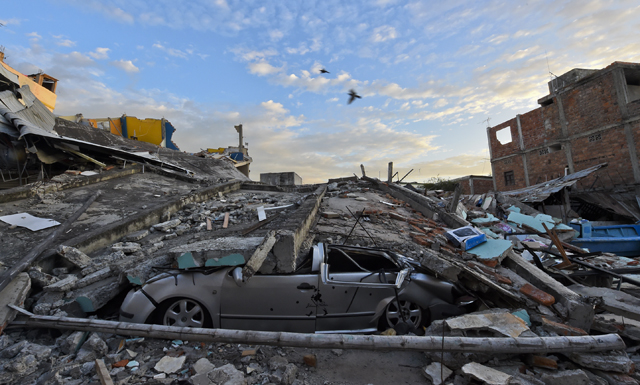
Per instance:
x=475, y=184
x=589, y=117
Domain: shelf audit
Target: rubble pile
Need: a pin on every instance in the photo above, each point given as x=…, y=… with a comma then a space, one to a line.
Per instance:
x=508, y=261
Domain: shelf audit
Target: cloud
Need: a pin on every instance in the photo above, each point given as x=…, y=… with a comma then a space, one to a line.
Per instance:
x=384, y=33
x=171, y=51
x=34, y=35
x=125, y=65
x=65, y=43
x=13, y=21
x=100, y=53
x=263, y=68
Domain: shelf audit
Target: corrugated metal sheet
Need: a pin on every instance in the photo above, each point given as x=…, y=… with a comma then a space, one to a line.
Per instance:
x=5, y=73
x=541, y=191
x=25, y=127
x=39, y=115
x=624, y=204
x=10, y=100
x=27, y=96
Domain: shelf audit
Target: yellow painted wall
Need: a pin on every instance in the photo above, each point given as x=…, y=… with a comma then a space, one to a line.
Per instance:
x=148, y=130
x=47, y=97
x=114, y=125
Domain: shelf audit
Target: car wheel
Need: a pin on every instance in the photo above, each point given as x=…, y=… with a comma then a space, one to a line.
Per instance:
x=183, y=312
x=407, y=311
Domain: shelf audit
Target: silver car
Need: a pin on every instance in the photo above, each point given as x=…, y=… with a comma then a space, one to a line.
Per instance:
x=336, y=289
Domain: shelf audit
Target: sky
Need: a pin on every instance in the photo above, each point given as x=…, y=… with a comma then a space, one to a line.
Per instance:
x=432, y=74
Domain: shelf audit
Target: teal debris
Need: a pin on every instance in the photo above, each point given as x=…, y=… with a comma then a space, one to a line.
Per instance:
x=85, y=304
x=229, y=260
x=515, y=209
x=523, y=315
x=562, y=226
x=134, y=280
x=186, y=261
x=489, y=219
x=548, y=219
x=490, y=233
x=521, y=219
x=491, y=249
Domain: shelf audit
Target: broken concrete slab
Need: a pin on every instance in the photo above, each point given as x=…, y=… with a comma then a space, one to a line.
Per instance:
x=62, y=285
x=615, y=378
x=74, y=256
x=504, y=323
x=167, y=226
x=492, y=252
x=218, y=248
x=14, y=294
x=616, y=302
x=292, y=236
x=486, y=374
x=136, y=236
x=436, y=373
x=203, y=365
x=614, y=361
x=562, y=329
x=126, y=247
x=432, y=261
x=95, y=277
x=96, y=295
x=566, y=377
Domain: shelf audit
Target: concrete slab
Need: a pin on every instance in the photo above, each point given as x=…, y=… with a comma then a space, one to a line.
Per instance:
x=486, y=374
x=505, y=324
x=14, y=294
x=614, y=301
x=218, y=248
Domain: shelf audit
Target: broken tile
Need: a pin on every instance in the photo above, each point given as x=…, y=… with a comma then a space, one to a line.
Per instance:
x=170, y=364
x=486, y=374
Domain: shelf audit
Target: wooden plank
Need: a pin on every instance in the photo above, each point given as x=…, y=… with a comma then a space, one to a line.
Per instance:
x=519, y=345
x=103, y=373
x=255, y=262
x=225, y=224
x=209, y=226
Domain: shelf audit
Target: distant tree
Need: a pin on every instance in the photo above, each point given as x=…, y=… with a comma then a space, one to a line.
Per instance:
x=438, y=183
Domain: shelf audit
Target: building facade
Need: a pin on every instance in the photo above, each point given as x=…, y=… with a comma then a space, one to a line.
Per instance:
x=589, y=117
x=475, y=184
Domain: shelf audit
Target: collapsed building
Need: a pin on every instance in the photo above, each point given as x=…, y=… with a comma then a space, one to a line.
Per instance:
x=106, y=213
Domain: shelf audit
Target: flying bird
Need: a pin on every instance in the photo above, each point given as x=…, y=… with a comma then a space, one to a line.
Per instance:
x=324, y=71
x=353, y=96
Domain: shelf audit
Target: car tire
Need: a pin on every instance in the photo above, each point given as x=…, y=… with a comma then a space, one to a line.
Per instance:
x=183, y=312
x=415, y=316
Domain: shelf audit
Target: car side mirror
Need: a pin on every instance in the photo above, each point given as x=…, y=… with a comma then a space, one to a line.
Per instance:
x=237, y=276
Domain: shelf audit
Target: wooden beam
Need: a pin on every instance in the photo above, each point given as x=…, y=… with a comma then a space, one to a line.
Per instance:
x=225, y=223
x=519, y=345
x=24, y=263
x=103, y=373
x=255, y=262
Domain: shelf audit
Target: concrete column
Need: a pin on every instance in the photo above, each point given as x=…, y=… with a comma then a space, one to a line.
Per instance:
x=471, y=185
x=633, y=155
x=390, y=173
x=525, y=166
x=621, y=90
x=493, y=173
x=565, y=135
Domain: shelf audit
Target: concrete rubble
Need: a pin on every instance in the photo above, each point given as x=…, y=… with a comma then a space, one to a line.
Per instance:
x=125, y=239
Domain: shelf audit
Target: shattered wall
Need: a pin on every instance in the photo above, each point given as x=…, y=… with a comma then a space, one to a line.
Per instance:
x=588, y=122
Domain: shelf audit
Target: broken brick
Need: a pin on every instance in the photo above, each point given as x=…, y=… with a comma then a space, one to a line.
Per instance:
x=537, y=295
x=310, y=360
x=562, y=329
x=120, y=364
x=542, y=362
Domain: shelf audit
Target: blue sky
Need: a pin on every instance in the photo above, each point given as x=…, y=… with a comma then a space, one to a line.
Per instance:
x=430, y=72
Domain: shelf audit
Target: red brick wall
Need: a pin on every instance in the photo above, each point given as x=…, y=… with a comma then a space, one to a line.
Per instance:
x=514, y=164
x=481, y=186
x=592, y=104
x=499, y=150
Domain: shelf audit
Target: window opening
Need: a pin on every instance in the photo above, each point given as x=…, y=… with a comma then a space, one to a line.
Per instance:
x=509, y=179
x=504, y=135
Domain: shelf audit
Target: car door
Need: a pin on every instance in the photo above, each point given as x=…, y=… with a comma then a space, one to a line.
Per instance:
x=349, y=292
x=270, y=303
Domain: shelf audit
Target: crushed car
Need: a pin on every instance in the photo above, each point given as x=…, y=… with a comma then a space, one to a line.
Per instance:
x=335, y=289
